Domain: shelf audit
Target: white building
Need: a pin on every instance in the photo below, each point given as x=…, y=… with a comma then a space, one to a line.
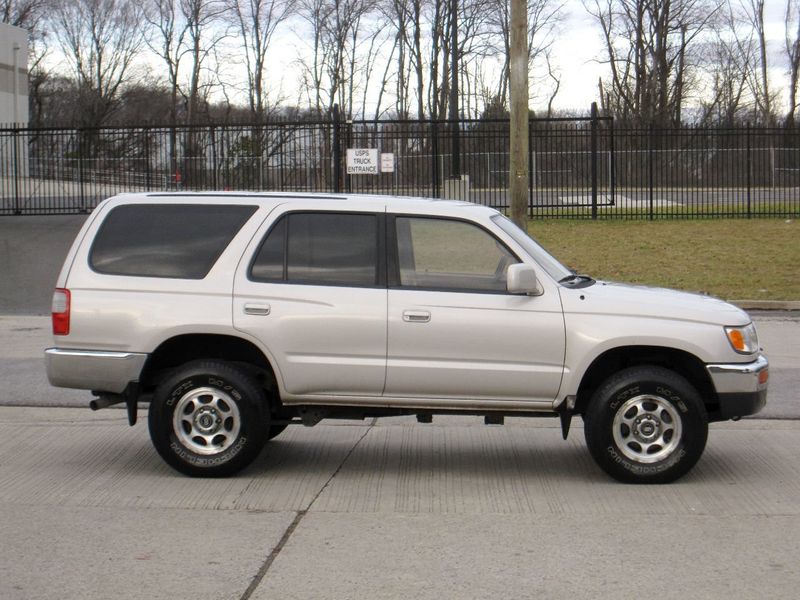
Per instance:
x=13, y=60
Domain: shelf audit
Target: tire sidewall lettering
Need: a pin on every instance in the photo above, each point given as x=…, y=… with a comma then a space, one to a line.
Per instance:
x=624, y=395
x=645, y=469
x=200, y=460
x=179, y=391
x=221, y=384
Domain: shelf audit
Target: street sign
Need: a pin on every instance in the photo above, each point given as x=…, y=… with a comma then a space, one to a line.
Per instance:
x=362, y=161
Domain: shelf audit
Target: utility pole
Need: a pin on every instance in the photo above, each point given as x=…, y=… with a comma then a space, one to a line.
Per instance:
x=518, y=75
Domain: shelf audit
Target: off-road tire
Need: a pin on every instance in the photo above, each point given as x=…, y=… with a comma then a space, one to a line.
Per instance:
x=646, y=424
x=209, y=419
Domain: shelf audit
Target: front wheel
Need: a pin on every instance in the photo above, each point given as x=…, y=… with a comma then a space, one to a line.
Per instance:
x=208, y=419
x=646, y=425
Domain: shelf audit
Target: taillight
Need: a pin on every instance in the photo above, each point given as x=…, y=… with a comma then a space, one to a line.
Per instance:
x=61, y=302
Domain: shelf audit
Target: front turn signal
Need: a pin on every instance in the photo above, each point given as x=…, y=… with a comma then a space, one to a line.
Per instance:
x=743, y=339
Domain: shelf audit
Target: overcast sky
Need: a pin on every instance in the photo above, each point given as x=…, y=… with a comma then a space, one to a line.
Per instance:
x=580, y=45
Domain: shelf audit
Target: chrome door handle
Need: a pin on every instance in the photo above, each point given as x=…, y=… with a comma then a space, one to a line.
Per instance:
x=259, y=310
x=416, y=316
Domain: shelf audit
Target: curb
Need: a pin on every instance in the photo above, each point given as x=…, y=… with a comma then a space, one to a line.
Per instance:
x=767, y=304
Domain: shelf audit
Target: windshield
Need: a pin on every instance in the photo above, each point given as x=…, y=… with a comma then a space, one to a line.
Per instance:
x=554, y=268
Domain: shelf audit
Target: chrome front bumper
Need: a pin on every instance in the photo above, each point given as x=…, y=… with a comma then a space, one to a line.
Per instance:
x=739, y=378
x=92, y=369
x=741, y=388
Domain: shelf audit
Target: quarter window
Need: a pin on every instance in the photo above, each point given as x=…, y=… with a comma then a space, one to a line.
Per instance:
x=320, y=248
x=451, y=255
x=165, y=240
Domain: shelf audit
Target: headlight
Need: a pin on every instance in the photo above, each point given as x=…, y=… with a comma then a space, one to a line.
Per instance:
x=743, y=339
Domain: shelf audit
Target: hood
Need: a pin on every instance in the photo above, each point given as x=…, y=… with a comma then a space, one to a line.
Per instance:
x=606, y=297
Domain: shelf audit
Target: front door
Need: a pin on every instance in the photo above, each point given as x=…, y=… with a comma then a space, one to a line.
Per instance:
x=455, y=333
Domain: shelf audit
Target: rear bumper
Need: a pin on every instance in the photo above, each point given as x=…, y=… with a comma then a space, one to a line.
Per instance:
x=93, y=370
x=741, y=388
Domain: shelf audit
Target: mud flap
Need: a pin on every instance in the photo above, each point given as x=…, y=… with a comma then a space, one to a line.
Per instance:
x=565, y=411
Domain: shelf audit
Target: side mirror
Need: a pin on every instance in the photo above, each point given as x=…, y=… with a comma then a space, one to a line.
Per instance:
x=521, y=279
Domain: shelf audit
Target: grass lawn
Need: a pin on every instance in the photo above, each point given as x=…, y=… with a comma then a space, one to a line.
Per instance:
x=734, y=259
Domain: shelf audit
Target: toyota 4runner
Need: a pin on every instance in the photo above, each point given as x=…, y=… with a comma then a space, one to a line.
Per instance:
x=234, y=315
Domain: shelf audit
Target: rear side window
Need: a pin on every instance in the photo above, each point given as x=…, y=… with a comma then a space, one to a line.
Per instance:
x=320, y=248
x=182, y=241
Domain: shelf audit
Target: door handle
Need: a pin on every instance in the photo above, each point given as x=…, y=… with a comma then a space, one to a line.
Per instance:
x=416, y=316
x=259, y=310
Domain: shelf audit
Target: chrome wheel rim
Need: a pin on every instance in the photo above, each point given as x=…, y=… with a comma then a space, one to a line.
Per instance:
x=647, y=429
x=206, y=421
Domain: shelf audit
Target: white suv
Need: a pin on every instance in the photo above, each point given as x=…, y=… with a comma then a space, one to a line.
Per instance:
x=235, y=315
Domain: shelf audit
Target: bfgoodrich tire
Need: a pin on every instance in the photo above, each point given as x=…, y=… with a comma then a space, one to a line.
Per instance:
x=209, y=419
x=646, y=425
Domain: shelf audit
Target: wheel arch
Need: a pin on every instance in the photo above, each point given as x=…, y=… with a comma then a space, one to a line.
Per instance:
x=615, y=359
x=180, y=349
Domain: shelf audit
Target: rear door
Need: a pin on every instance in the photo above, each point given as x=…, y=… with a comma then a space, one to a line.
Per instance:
x=313, y=292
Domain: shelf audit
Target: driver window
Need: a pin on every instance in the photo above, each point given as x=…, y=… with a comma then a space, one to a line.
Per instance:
x=452, y=255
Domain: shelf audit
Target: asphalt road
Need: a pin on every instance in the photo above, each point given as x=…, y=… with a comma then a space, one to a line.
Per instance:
x=32, y=250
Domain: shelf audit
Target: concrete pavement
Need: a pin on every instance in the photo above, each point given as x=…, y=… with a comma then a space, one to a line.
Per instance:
x=391, y=509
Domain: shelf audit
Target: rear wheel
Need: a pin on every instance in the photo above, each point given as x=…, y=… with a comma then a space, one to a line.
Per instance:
x=646, y=425
x=209, y=419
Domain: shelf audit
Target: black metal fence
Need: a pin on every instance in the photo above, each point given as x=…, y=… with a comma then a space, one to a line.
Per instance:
x=579, y=168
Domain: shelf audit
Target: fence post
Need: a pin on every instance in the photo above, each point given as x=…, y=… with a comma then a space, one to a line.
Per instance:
x=172, y=180
x=612, y=175
x=748, y=159
x=435, y=159
x=337, y=152
x=281, y=167
x=147, y=158
x=17, y=210
x=214, y=179
x=594, y=160
x=650, y=167
x=531, y=171
x=348, y=182
x=81, y=176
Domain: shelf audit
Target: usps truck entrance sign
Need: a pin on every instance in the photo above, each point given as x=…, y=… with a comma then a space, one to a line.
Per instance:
x=363, y=161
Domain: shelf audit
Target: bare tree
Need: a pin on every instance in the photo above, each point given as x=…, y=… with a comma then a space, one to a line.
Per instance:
x=100, y=39
x=331, y=74
x=793, y=53
x=730, y=62
x=203, y=34
x=21, y=13
x=544, y=17
x=166, y=37
x=257, y=21
x=753, y=11
x=650, y=46
x=407, y=18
